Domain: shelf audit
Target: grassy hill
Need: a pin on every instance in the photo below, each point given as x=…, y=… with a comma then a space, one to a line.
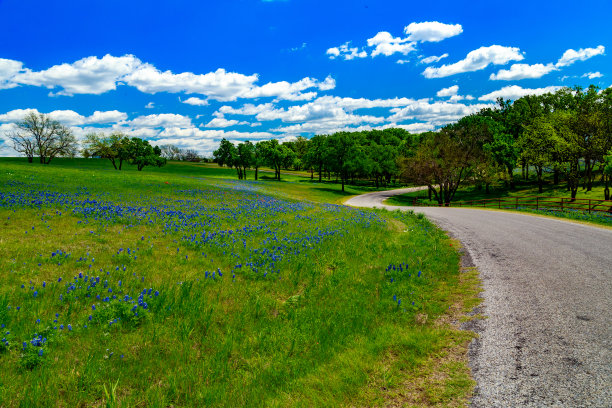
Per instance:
x=182, y=286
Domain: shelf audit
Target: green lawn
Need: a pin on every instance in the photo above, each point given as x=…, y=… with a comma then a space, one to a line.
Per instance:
x=183, y=286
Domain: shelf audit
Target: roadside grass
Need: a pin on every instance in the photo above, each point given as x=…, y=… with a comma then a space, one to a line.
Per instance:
x=183, y=286
x=469, y=193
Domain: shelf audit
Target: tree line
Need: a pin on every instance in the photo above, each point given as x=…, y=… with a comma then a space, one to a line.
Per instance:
x=566, y=134
x=346, y=156
x=38, y=135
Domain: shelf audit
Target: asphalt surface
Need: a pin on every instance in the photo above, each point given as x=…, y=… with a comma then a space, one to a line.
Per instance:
x=547, y=338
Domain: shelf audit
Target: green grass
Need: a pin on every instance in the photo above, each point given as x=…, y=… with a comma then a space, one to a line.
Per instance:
x=522, y=189
x=306, y=311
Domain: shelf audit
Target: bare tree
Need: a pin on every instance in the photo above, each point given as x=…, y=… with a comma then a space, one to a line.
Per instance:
x=190, y=155
x=23, y=143
x=40, y=135
x=171, y=152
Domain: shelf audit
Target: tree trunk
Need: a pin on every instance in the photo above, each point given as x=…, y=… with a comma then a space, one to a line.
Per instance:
x=120, y=163
x=556, y=177
x=256, y=170
x=540, y=181
x=114, y=165
x=511, y=177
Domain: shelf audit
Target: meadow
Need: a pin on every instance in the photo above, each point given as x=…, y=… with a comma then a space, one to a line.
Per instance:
x=182, y=286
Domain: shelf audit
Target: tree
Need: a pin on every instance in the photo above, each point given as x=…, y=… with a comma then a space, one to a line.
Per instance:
x=244, y=158
x=538, y=144
x=607, y=174
x=141, y=154
x=341, y=154
x=40, y=135
x=113, y=148
x=171, y=152
x=190, y=155
x=315, y=154
x=226, y=154
x=274, y=155
x=444, y=159
x=258, y=158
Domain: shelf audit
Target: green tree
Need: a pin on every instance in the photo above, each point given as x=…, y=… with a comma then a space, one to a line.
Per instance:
x=141, y=154
x=244, y=158
x=226, y=154
x=444, y=159
x=316, y=154
x=113, y=147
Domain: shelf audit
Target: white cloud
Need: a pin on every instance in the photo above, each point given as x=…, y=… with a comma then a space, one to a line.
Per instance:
x=247, y=109
x=160, y=120
x=346, y=52
x=8, y=69
x=570, y=56
x=16, y=115
x=514, y=92
x=476, y=60
x=431, y=31
x=93, y=75
x=222, y=123
x=450, y=91
x=386, y=44
x=150, y=105
x=291, y=91
x=418, y=127
x=68, y=117
x=523, y=71
x=195, y=101
x=402, y=61
x=433, y=58
x=113, y=116
x=436, y=113
x=592, y=75
x=89, y=75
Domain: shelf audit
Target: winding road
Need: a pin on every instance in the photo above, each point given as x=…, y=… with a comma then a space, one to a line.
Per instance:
x=547, y=289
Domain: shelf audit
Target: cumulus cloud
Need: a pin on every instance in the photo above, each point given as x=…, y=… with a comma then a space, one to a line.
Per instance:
x=93, y=75
x=67, y=117
x=195, y=101
x=433, y=58
x=221, y=122
x=431, y=31
x=384, y=43
x=346, y=52
x=570, y=56
x=450, y=91
x=523, y=71
x=160, y=120
x=150, y=105
x=8, y=69
x=328, y=114
x=592, y=75
x=476, y=60
x=434, y=113
x=514, y=92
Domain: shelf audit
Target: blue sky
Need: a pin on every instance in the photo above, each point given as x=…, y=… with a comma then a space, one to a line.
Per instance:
x=192, y=72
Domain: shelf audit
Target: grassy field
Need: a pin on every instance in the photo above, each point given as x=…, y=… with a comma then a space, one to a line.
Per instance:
x=182, y=286
x=525, y=188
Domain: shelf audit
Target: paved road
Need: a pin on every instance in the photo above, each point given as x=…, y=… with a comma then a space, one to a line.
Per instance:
x=547, y=340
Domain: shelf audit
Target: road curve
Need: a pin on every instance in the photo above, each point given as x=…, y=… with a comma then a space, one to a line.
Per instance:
x=547, y=289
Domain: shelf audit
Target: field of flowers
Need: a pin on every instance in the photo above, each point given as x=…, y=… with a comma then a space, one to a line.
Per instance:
x=177, y=289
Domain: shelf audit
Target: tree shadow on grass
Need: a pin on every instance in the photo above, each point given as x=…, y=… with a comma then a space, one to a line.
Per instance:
x=334, y=191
